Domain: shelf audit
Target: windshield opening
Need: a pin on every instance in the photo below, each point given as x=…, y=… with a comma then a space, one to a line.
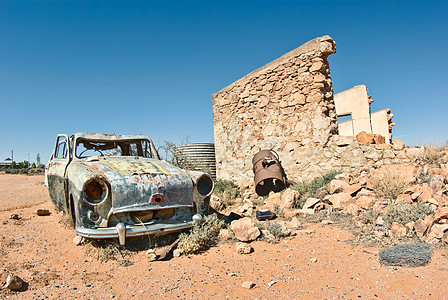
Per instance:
x=87, y=147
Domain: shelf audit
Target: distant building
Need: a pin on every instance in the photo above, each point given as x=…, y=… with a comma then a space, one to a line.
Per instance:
x=6, y=162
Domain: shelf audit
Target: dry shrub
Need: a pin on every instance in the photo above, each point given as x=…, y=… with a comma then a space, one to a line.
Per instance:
x=389, y=185
x=201, y=237
x=431, y=154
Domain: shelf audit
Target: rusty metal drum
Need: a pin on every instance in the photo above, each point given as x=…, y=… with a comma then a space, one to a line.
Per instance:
x=269, y=174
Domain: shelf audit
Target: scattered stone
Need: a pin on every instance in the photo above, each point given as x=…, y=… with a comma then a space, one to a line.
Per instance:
x=294, y=223
x=404, y=198
x=307, y=211
x=310, y=202
x=14, y=216
x=289, y=198
x=305, y=231
x=365, y=202
x=78, y=240
x=313, y=259
x=327, y=222
x=290, y=213
x=379, y=221
x=245, y=229
x=339, y=200
x=407, y=255
x=441, y=213
x=225, y=234
x=365, y=192
x=337, y=186
x=398, y=145
x=379, y=139
x=43, y=212
x=13, y=282
x=248, y=285
x=177, y=253
x=353, y=189
x=268, y=236
x=421, y=226
x=352, y=209
x=397, y=230
x=151, y=255
x=243, y=248
x=436, y=233
x=274, y=199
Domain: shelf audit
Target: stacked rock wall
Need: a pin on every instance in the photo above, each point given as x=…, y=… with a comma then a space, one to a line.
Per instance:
x=287, y=105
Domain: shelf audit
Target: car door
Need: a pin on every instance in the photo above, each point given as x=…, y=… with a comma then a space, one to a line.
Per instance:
x=56, y=172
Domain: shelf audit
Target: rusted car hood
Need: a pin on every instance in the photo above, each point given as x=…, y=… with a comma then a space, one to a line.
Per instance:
x=134, y=180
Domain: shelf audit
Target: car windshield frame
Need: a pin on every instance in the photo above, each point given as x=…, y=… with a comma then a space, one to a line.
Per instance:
x=88, y=147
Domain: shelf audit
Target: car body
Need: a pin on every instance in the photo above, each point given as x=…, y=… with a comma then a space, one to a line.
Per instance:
x=116, y=186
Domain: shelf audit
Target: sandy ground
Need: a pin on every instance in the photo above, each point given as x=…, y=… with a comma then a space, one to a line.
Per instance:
x=39, y=249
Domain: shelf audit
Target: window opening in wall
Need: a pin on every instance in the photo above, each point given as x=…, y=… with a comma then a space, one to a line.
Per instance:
x=344, y=118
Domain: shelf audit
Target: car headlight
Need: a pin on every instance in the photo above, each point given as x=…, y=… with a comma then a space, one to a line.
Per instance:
x=205, y=185
x=95, y=191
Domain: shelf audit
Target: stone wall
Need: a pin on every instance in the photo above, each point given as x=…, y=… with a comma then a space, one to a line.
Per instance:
x=287, y=105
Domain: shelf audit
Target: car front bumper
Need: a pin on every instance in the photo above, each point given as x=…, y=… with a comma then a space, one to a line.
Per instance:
x=123, y=231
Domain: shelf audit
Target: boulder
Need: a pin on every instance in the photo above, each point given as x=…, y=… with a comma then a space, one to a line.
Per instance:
x=289, y=198
x=245, y=229
x=339, y=200
x=398, y=145
x=365, y=202
x=365, y=138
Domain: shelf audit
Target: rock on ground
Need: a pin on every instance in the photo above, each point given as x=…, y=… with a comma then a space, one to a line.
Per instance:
x=13, y=282
x=245, y=229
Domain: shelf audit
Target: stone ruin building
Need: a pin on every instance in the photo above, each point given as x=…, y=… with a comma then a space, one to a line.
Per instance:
x=355, y=102
x=288, y=105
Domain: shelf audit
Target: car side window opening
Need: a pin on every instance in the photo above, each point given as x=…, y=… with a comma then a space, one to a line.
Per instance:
x=61, y=147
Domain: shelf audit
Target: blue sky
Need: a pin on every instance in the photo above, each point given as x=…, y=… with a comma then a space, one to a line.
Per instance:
x=151, y=67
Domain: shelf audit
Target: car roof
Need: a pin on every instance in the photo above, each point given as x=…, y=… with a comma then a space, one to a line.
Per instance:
x=110, y=137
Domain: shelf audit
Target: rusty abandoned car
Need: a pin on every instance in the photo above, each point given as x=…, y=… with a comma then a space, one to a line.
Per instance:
x=116, y=186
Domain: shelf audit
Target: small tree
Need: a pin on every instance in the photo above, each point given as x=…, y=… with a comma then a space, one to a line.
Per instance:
x=38, y=159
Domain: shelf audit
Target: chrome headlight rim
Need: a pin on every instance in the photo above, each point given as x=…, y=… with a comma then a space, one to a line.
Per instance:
x=205, y=185
x=87, y=194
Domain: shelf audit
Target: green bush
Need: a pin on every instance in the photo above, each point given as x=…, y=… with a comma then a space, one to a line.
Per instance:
x=227, y=188
x=314, y=188
x=405, y=212
x=201, y=237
